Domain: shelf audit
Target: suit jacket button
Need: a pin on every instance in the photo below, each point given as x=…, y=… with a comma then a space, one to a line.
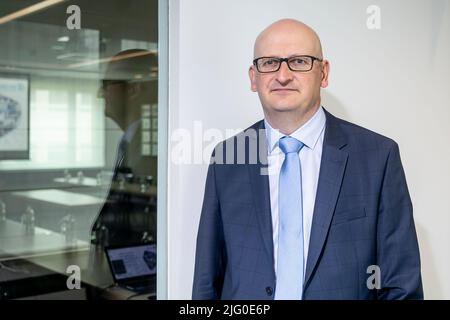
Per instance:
x=269, y=291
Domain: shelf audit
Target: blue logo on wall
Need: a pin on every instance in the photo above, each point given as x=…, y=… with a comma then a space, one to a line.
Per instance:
x=9, y=115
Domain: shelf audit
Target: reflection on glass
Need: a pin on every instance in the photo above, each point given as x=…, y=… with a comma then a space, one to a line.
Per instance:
x=86, y=178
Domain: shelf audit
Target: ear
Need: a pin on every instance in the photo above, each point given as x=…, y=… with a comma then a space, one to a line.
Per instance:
x=251, y=75
x=325, y=72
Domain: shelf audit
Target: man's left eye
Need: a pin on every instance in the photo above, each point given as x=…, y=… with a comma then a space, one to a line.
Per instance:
x=298, y=61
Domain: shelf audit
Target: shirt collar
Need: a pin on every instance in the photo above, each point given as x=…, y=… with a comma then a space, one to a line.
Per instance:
x=131, y=130
x=308, y=134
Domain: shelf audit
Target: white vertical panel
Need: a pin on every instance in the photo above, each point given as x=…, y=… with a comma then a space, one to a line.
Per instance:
x=393, y=81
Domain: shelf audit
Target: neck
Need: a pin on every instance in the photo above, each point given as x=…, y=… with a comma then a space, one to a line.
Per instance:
x=289, y=121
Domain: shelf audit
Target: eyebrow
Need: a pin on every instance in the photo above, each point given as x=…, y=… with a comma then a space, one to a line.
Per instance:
x=289, y=56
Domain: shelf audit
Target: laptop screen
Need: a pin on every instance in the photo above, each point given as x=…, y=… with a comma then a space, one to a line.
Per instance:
x=132, y=262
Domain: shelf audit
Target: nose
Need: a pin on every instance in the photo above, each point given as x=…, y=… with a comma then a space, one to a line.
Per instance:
x=284, y=75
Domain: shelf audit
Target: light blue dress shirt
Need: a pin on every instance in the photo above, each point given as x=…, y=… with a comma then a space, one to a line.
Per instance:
x=311, y=134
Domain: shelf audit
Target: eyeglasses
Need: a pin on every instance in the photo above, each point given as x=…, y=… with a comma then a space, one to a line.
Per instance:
x=296, y=63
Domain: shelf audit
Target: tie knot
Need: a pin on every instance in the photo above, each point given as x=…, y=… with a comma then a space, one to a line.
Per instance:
x=288, y=145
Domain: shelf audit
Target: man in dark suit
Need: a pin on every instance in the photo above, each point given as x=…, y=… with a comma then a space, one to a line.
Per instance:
x=128, y=215
x=303, y=205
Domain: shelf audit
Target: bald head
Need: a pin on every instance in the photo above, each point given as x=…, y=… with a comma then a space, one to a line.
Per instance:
x=131, y=64
x=287, y=34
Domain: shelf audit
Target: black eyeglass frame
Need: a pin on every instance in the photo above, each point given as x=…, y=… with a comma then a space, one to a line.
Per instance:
x=255, y=63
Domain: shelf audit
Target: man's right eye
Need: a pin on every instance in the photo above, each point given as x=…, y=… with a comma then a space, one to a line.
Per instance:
x=269, y=62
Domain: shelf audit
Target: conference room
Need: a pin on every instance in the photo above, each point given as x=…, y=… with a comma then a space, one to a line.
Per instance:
x=78, y=149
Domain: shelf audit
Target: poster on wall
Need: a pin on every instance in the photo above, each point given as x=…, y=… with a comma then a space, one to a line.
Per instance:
x=14, y=117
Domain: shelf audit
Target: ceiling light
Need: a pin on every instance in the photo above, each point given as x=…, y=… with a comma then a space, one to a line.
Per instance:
x=63, y=39
x=29, y=10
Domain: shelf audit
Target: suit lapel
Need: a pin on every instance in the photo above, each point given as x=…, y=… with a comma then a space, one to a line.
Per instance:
x=259, y=181
x=332, y=170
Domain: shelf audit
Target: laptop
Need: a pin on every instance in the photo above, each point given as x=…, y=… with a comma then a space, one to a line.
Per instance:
x=133, y=267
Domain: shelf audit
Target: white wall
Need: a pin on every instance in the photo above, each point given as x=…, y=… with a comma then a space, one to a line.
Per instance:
x=393, y=81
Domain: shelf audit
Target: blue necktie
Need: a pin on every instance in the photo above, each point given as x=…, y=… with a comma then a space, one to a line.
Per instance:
x=121, y=150
x=290, y=229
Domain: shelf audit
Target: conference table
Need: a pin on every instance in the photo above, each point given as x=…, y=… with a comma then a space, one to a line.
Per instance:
x=60, y=197
x=53, y=252
x=46, y=252
x=15, y=242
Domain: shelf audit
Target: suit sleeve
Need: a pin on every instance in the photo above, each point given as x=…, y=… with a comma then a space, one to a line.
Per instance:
x=210, y=253
x=397, y=247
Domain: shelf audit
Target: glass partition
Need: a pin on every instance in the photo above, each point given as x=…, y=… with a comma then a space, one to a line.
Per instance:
x=78, y=147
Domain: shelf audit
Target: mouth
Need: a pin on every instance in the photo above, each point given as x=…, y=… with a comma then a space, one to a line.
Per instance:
x=284, y=90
